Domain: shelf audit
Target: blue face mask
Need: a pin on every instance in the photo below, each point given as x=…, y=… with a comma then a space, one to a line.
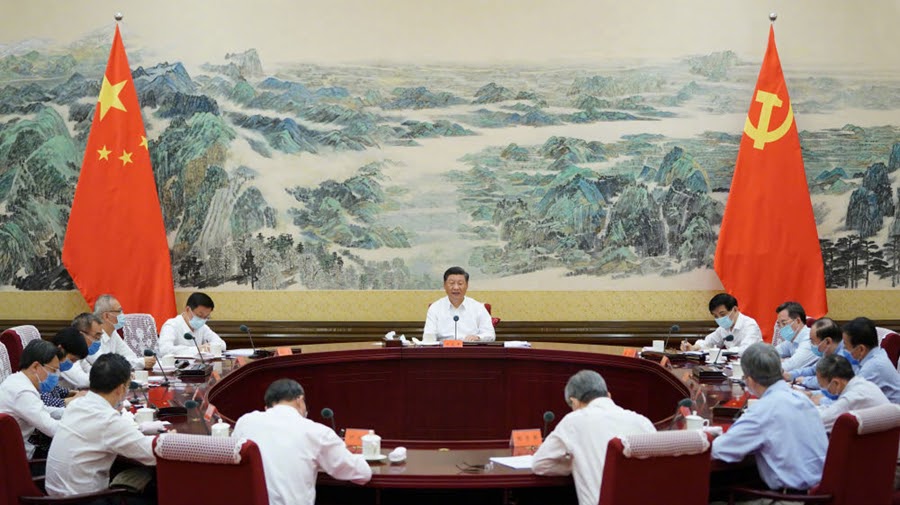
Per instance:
x=787, y=333
x=47, y=385
x=93, y=348
x=197, y=322
x=853, y=361
x=725, y=322
x=65, y=366
x=830, y=396
x=120, y=322
x=817, y=352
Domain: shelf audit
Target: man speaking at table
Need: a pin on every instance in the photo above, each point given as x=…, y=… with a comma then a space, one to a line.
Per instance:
x=457, y=316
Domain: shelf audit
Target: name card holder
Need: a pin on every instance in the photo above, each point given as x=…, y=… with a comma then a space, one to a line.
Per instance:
x=525, y=442
x=629, y=352
x=353, y=439
x=216, y=375
x=452, y=343
x=242, y=360
x=283, y=351
x=210, y=412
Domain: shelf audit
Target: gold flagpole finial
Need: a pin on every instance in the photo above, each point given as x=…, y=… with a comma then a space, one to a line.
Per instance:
x=773, y=16
x=118, y=16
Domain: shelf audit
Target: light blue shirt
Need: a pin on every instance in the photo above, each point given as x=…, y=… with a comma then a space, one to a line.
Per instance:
x=784, y=433
x=809, y=372
x=876, y=367
x=798, y=352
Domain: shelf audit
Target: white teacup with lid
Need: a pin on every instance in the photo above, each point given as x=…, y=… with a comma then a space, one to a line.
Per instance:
x=371, y=445
x=221, y=429
x=695, y=422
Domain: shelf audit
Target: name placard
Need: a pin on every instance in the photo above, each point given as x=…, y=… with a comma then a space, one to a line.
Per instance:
x=519, y=439
x=242, y=360
x=283, y=351
x=629, y=352
x=353, y=437
x=452, y=343
x=210, y=412
x=216, y=376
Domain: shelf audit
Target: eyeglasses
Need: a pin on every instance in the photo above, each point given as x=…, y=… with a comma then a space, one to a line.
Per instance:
x=782, y=324
x=51, y=370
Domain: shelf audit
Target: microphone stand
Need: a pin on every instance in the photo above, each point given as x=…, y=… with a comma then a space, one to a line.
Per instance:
x=257, y=353
x=672, y=329
x=455, y=327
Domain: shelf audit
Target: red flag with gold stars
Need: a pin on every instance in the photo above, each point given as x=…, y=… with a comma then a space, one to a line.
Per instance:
x=768, y=249
x=115, y=241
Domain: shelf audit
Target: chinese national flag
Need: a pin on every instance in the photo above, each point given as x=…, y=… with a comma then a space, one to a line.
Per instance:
x=115, y=241
x=768, y=250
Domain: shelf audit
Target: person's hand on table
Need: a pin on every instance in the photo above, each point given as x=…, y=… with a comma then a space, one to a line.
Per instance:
x=814, y=396
x=204, y=348
x=472, y=338
x=149, y=362
x=687, y=346
x=787, y=377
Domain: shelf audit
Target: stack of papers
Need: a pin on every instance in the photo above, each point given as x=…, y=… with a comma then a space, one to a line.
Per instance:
x=517, y=343
x=516, y=462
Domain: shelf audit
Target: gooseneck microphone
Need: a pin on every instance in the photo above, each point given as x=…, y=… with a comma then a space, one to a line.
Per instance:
x=188, y=336
x=256, y=352
x=329, y=415
x=549, y=416
x=672, y=329
x=148, y=353
x=134, y=387
x=455, y=326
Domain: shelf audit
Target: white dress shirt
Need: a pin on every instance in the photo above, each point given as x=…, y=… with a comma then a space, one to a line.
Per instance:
x=857, y=394
x=293, y=450
x=798, y=352
x=474, y=319
x=90, y=436
x=578, y=444
x=77, y=377
x=172, y=341
x=114, y=344
x=745, y=330
x=21, y=400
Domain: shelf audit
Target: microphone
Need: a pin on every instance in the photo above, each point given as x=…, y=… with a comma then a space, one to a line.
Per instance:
x=455, y=326
x=134, y=386
x=329, y=414
x=148, y=353
x=188, y=336
x=190, y=405
x=672, y=329
x=256, y=353
x=549, y=416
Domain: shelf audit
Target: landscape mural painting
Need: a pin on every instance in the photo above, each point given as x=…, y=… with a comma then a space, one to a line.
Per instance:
x=610, y=174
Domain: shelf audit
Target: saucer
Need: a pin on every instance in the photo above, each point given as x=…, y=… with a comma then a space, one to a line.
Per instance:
x=376, y=457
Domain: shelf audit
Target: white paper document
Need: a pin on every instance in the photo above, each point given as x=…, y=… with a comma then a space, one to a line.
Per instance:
x=239, y=352
x=517, y=462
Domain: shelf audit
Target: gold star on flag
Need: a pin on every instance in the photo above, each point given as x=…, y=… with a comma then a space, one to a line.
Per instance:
x=104, y=153
x=144, y=143
x=126, y=157
x=109, y=97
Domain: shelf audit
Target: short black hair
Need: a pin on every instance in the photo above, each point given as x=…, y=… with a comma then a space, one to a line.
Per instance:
x=827, y=328
x=456, y=271
x=834, y=366
x=199, y=299
x=861, y=332
x=725, y=299
x=282, y=390
x=84, y=321
x=41, y=351
x=794, y=310
x=71, y=341
x=108, y=372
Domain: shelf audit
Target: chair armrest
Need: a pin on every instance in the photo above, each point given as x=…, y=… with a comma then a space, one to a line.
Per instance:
x=74, y=499
x=775, y=495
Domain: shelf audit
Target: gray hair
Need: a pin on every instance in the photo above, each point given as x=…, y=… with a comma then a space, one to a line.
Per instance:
x=834, y=366
x=585, y=386
x=103, y=304
x=762, y=362
x=84, y=321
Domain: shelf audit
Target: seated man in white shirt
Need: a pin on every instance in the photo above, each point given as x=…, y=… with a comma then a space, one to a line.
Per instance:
x=457, y=316
x=91, y=328
x=795, y=348
x=192, y=321
x=578, y=444
x=846, y=390
x=294, y=449
x=109, y=310
x=736, y=331
x=20, y=393
x=93, y=433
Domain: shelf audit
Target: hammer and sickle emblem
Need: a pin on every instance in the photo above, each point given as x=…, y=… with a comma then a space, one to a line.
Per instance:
x=760, y=133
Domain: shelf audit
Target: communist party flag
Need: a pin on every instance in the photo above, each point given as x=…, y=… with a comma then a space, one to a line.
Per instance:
x=768, y=250
x=115, y=241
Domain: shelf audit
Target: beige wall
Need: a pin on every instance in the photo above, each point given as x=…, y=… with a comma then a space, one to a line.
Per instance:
x=411, y=305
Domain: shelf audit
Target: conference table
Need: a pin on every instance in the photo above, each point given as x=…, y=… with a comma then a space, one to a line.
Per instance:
x=452, y=408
